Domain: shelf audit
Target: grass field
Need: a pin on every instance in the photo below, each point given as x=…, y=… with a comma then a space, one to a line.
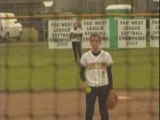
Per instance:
x=25, y=67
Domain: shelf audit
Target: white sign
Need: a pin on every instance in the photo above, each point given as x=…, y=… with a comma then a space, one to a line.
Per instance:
x=131, y=33
x=154, y=32
x=100, y=26
x=58, y=33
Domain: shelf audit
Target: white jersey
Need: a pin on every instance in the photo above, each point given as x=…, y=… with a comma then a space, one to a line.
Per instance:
x=96, y=68
x=78, y=38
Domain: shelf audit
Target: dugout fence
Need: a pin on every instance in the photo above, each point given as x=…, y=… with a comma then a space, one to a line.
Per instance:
x=42, y=83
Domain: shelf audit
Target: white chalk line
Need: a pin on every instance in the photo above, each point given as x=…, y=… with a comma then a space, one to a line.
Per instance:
x=124, y=98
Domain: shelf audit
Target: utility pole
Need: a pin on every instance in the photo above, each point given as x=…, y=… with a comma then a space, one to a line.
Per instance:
x=148, y=8
x=132, y=4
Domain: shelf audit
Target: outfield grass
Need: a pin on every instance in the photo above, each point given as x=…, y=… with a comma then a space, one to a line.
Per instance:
x=40, y=68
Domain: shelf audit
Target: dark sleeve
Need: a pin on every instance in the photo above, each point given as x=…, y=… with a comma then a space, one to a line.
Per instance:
x=109, y=71
x=82, y=73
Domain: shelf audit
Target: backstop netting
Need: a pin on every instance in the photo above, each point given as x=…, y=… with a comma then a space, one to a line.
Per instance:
x=39, y=78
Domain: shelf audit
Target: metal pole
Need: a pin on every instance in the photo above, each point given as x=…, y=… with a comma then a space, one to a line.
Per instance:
x=132, y=4
x=43, y=24
x=148, y=6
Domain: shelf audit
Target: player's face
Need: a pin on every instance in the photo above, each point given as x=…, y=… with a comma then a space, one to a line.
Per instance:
x=95, y=43
x=75, y=24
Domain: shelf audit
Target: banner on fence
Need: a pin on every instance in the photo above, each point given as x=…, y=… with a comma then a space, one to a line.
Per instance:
x=100, y=26
x=154, y=32
x=131, y=33
x=58, y=33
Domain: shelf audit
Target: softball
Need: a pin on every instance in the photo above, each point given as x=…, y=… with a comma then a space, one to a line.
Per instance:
x=88, y=90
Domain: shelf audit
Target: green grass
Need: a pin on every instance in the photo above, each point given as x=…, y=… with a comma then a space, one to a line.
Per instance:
x=30, y=34
x=136, y=68
x=40, y=68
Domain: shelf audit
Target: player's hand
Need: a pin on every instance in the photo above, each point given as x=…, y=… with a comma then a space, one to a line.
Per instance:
x=85, y=86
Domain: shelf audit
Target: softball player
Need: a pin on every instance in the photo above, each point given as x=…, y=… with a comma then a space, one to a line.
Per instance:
x=96, y=76
x=76, y=36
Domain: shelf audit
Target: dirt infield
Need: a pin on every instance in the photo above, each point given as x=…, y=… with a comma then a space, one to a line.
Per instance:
x=69, y=105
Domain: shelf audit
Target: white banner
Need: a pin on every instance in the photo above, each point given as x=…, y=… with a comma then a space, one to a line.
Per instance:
x=131, y=33
x=100, y=26
x=58, y=33
x=154, y=32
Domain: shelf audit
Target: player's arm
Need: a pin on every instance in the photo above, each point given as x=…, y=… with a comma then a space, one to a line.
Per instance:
x=109, y=72
x=82, y=73
x=73, y=35
x=82, y=76
x=80, y=33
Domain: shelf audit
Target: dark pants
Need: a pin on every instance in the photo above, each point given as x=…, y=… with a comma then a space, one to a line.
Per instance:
x=101, y=93
x=76, y=50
